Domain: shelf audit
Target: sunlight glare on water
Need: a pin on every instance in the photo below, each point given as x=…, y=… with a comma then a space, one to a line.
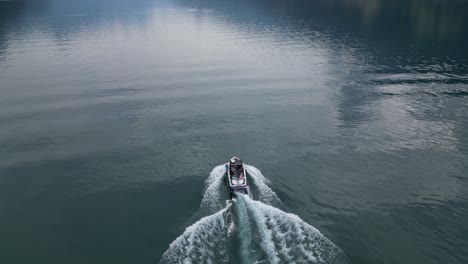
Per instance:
x=114, y=112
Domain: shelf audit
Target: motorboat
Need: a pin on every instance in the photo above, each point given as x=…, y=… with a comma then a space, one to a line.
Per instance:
x=236, y=177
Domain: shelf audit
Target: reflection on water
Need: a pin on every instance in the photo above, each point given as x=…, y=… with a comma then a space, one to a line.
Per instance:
x=356, y=110
x=420, y=18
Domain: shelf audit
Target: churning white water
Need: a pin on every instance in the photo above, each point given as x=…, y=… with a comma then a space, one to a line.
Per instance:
x=249, y=231
x=216, y=193
x=265, y=193
x=284, y=237
x=203, y=242
x=214, y=196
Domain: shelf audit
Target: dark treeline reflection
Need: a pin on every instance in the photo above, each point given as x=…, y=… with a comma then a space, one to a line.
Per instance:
x=15, y=12
x=427, y=23
x=62, y=18
x=432, y=24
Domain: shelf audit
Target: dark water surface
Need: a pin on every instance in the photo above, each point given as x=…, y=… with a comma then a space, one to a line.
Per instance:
x=113, y=114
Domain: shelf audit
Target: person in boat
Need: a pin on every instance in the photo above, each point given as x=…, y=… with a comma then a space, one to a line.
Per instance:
x=240, y=171
x=232, y=170
x=236, y=169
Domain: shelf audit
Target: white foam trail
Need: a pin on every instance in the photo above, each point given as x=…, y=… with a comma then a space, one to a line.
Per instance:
x=213, y=198
x=266, y=234
x=265, y=193
x=244, y=233
x=285, y=238
x=266, y=241
x=215, y=193
x=203, y=242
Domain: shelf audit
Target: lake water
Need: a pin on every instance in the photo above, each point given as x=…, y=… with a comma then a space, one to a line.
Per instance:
x=113, y=114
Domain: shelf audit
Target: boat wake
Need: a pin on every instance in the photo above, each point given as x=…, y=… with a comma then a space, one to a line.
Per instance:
x=215, y=193
x=214, y=197
x=279, y=237
x=203, y=242
x=249, y=231
x=265, y=193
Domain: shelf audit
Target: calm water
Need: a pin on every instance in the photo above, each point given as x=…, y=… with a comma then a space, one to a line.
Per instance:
x=114, y=113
